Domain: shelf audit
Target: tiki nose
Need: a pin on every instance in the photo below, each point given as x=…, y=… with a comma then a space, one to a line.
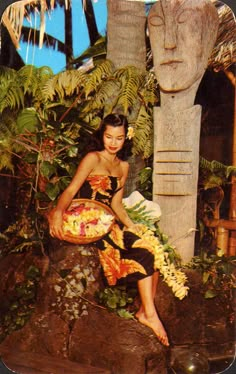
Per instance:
x=170, y=35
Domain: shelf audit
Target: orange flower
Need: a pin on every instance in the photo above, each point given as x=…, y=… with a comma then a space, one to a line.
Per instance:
x=116, y=235
x=100, y=183
x=115, y=268
x=142, y=243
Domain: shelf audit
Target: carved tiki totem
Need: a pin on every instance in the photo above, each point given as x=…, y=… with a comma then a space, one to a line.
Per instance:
x=182, y=36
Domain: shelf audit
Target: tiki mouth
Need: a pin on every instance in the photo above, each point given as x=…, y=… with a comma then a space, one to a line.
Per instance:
x=171, y=63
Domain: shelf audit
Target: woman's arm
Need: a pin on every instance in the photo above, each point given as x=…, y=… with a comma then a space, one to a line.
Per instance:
x=117, y=204
x=85, y=167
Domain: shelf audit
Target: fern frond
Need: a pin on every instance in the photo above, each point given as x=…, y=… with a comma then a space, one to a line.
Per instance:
x=11, y=93
x=216, y=166
x=149, y=93
x=131, y=79
x=139, y=214
x=28, y=79
x=11, y=96
x=92, y=119
x=106, y=93
x=6, y=161
x=96, y=76
x=6, y=74
x=66, y=83
x=6, y=147
x=143, y=130
x=95, y=122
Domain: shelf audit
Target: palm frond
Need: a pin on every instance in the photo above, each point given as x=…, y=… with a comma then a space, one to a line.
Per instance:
x=224, y=51
x=49, y=41
x=96, y=51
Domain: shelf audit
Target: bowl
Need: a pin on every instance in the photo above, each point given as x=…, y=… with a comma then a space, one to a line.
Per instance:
x=86, y=221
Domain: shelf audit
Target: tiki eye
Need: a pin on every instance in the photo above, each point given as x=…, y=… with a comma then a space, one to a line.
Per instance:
x=184, y=16
x=156, y=21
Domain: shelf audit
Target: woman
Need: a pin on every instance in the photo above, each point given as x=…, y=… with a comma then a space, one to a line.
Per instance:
x=101, y=175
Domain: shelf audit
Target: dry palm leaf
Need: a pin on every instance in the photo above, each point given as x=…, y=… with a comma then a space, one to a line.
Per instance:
x=224, y=52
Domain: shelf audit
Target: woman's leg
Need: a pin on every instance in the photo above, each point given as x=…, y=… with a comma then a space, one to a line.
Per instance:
x=155, y=278
x=147, y=314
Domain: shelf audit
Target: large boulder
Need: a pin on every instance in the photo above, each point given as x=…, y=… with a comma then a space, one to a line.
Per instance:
x=67, y=321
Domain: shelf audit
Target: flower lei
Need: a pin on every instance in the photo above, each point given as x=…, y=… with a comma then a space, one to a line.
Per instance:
x=174, y=277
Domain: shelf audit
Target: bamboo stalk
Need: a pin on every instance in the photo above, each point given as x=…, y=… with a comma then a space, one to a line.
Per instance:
x=232, y=210
x=222, y=239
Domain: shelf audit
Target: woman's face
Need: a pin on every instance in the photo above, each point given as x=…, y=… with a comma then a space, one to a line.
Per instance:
x=113, y=138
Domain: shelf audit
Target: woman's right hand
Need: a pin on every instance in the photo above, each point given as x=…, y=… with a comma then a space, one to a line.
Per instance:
x=55, y=224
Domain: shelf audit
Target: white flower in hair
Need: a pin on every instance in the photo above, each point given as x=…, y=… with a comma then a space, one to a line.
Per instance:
x=130, y=132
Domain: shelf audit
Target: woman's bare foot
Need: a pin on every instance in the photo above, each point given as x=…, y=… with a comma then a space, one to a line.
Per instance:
x=154, y=323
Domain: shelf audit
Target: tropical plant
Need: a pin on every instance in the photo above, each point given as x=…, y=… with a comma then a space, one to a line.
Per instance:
x=118, y=300
x=19, y=305
x=47, y=121
x=218, y=274
x=38, y=98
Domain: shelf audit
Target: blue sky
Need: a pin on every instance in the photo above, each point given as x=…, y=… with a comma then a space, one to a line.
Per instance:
x=55, y=27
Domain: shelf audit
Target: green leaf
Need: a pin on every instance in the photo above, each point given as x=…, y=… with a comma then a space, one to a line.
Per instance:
x=205, y=277
x=41, y=196
x=112, y=302
x=52, y=190
x=31, y=158
x=47, y=169
x=145, y=175
x=64, y=182
x=125, y=314
x=27, y=120
x=209, y=294
x=72, y=151
x=122, y=301
x=33, y=272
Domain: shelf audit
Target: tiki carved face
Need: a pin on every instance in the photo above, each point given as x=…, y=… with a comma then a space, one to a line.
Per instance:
x=182, y=35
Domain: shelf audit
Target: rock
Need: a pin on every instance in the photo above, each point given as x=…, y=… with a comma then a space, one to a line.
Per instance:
x=206, y=325
x=124, y=346
x=44, y=333
x=67, y=321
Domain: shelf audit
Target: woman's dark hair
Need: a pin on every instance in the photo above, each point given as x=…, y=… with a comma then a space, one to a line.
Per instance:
x=114, y=120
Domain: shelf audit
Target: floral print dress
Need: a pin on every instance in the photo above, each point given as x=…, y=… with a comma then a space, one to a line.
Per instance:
x=123, y=255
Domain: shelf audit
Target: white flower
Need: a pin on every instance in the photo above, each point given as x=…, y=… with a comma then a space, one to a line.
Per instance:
x=174, y=277
x=130, y=133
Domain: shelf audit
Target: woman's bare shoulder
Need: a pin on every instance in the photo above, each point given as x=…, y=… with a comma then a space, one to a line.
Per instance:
x=89, y=161
x=124, y=165
x=125, y=168
x=91, y=156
